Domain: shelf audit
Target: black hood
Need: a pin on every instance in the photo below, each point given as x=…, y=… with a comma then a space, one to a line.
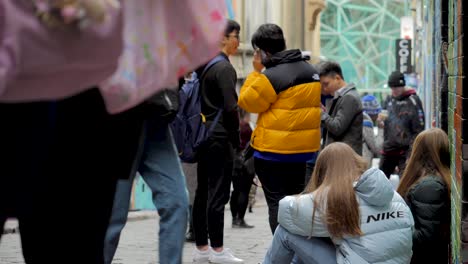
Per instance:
x=286, y=56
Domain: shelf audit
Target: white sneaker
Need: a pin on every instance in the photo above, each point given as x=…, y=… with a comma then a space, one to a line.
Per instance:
x=224, y=257
x=200, y=257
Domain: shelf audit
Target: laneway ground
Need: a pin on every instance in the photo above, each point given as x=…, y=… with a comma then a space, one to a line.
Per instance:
x=139, y=242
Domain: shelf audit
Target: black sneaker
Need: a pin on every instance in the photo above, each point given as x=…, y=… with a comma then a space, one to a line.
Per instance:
x=240, y=223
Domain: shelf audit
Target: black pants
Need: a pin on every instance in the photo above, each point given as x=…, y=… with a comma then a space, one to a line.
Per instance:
x=388, y=163
x=279, y=179
x=212, y=194
x=61, y=180
x=241, y=182
x=309, y=170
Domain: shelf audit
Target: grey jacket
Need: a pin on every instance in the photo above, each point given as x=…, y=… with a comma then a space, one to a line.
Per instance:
x=386, y=221
x=343, y=120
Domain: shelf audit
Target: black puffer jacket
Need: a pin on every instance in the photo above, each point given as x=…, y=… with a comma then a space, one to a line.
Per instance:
x=430, y=205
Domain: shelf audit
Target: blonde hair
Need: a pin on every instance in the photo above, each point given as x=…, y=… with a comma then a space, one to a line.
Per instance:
x=430, y=156
x=336, y=169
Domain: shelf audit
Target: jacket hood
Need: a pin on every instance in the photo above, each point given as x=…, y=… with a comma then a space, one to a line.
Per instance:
x=406, y=94
x=374, y=188
x=285, y=56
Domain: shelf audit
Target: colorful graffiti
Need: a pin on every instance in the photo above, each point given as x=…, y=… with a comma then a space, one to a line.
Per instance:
x=442, y=70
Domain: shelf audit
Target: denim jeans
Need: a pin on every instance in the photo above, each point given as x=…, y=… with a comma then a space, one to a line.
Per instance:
x=309, y=170
x=285, y=246
x=161, y=169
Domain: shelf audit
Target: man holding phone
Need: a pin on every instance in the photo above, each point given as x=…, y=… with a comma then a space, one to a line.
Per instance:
x=285, y=92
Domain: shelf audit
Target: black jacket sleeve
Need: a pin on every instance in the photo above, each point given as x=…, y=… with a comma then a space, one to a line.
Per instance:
x=428, y=201
x=417, y=120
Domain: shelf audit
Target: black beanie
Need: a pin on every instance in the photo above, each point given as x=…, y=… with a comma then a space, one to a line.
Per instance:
x=396, y=79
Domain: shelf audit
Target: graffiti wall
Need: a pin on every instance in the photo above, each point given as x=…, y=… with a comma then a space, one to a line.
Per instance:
x=441, y=62
x=457, y=98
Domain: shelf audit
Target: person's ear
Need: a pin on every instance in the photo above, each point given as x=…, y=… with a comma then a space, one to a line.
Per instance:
x=224, y=41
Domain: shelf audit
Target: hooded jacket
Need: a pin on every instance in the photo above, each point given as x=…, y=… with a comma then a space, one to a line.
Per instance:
x=287, y=98
x=405, y=121
x=430, y=204
x=386, y=222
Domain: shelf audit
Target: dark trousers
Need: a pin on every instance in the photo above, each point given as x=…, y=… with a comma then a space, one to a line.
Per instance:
x=388, y=163
x=212, y=194
x=60, y=181
x=241, y=183
x=309, y=170
x=279, y=179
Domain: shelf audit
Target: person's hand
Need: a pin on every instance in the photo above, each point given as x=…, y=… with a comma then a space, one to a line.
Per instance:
x=380, y=121
x=98, y=10
x=257, y=61
x=324, y=109
x=380, y=124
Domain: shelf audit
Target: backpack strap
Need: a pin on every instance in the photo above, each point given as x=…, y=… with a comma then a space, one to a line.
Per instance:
x=215, y=121
x=211, y=63
x=202, y=76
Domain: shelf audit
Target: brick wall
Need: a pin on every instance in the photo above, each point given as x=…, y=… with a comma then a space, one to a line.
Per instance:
x=457, y=131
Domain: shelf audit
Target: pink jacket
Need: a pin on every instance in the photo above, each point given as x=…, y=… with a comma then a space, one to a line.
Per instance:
x=38, y=63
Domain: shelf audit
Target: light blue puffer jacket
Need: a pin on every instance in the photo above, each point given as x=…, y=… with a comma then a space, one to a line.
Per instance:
x=386, y=222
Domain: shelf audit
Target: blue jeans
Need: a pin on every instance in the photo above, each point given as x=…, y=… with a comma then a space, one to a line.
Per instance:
x=285, y=246
x=161, y=169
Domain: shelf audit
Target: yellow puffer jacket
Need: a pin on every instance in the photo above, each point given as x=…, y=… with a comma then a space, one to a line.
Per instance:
x=287, y=98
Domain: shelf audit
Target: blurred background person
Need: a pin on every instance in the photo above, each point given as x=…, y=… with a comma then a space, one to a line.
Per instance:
x=371, y=109
x=243, y=175
x=403, y=121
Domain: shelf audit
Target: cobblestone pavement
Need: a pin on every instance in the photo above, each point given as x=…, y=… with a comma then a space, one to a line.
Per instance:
x=139, y=244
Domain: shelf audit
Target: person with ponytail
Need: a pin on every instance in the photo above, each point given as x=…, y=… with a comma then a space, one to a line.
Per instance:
x=346, y=214
x=425, y=185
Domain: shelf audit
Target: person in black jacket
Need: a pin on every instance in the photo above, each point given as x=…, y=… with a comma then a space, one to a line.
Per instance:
x=216, y=156
x=242, y=176
x=425, y=185
x=404, y=122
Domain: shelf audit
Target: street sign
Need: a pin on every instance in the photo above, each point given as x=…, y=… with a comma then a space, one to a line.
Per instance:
x=403, y=55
